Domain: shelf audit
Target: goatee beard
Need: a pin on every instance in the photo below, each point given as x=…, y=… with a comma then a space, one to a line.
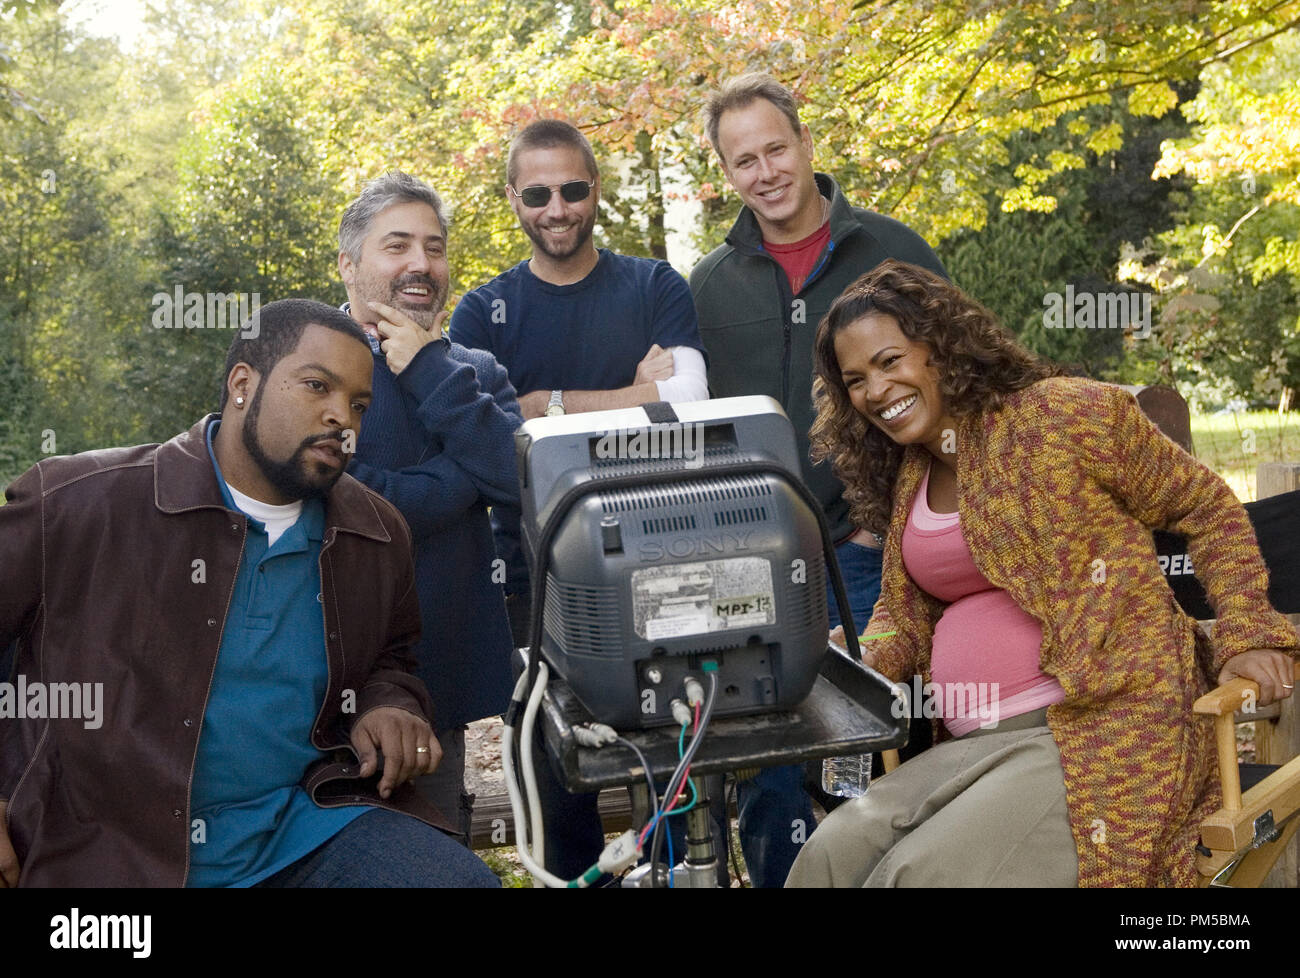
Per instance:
x=547, y=247
x=286, y=477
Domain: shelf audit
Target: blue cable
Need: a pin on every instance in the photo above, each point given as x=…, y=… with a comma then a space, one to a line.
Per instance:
x=671, y=861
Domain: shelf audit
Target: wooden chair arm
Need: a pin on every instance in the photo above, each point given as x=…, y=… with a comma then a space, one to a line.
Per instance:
x=1222, y=703
x=1226, y=699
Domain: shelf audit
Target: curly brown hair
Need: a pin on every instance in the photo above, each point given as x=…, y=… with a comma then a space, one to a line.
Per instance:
x=979, y=363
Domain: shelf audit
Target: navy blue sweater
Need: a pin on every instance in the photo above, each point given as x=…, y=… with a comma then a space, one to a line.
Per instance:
x=438, y=443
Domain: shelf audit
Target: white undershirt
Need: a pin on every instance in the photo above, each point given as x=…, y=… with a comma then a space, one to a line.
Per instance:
x=277, y=518
x=689, y=381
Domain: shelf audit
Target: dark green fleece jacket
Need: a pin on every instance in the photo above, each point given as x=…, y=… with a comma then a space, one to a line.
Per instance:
x=759, y=336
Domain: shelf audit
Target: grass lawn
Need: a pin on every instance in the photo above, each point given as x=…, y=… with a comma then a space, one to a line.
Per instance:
x=1234, y=444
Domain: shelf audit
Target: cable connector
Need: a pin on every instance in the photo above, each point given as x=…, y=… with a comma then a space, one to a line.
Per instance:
x=619, y=854
x=595, y=735
x=694, y=691
x=681, y=712
x=513, y=712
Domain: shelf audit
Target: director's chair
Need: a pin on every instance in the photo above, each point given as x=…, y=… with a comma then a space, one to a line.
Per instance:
x=1243, y=839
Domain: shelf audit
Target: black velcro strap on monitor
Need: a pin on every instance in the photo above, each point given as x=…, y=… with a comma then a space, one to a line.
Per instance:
x=660, y=412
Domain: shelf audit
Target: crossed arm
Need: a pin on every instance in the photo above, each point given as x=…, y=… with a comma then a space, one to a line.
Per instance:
x=673, y=374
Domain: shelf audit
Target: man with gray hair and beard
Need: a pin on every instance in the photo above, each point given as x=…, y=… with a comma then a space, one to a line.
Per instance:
x=438, y=443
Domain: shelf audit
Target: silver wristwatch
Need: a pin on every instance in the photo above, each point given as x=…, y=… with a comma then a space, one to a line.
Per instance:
x=555, y=406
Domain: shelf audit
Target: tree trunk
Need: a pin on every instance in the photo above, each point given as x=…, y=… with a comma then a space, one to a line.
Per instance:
x=654, y=198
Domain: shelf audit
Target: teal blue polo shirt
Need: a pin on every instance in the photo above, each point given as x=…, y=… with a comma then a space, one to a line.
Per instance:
x=249, y=817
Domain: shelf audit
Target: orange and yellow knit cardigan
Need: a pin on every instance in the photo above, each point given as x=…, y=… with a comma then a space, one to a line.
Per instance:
x=1058, y=493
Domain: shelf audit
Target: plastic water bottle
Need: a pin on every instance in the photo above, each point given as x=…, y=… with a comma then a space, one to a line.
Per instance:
x=846, y=777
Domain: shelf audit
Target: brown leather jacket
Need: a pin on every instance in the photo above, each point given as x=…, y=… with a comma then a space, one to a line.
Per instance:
x=117, y=567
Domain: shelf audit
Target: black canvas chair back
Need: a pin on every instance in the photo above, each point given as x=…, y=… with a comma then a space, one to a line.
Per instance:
x=1277, y=528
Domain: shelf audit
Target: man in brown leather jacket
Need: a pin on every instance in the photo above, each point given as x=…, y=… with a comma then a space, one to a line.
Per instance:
x=213, y=647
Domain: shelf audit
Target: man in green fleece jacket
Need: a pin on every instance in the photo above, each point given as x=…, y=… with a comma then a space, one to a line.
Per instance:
x=796, y=245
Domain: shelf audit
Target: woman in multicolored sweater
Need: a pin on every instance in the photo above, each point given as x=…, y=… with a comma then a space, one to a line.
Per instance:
x=1020, y=572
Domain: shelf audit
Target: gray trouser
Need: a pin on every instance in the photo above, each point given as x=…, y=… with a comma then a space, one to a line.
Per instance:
x=445, y=787
x=987, y=809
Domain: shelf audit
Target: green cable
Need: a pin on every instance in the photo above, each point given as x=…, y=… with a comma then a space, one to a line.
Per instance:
x=695, y=795
x=587, y=878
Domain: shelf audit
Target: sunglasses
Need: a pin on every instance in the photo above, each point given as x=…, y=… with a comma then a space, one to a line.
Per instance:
x=573, y=191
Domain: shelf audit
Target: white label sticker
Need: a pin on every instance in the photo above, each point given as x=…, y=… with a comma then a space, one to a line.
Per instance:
x=709, y=596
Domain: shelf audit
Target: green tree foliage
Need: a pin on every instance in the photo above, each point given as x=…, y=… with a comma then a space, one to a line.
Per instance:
x=253, y=215
x=899, y=96
x=89, y=174
x=1023, y=258
x=1020, y=138
x=61, y=264
x=1231, y=267
x=13, y=103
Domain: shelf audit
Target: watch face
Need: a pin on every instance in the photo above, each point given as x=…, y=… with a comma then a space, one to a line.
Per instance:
x=554, y=410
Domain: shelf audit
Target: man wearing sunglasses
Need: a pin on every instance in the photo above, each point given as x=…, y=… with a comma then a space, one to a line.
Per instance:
x=579, y=329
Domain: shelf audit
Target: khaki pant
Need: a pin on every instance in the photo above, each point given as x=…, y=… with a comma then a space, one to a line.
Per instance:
x=987, y=809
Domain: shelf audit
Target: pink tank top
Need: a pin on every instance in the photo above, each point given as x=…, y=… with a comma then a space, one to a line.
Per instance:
x=984, y=663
